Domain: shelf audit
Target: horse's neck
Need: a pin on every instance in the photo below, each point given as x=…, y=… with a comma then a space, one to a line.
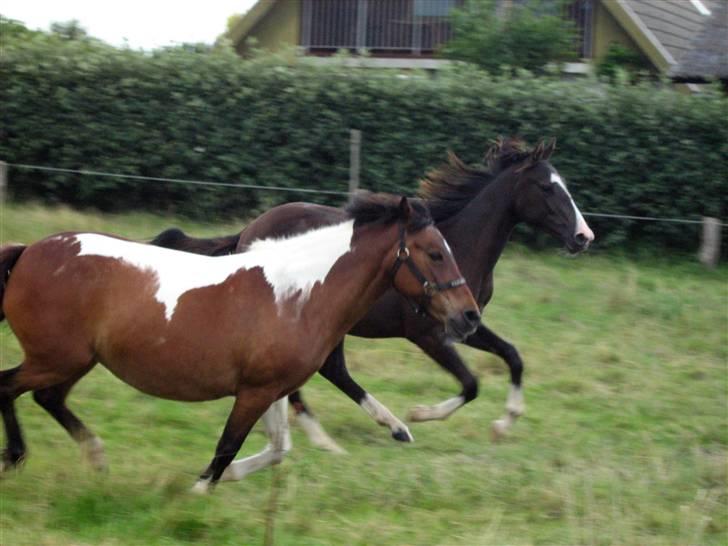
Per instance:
x=360, y=279
x=479, y=232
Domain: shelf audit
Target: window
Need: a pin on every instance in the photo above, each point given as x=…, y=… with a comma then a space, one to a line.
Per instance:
x=433, y=8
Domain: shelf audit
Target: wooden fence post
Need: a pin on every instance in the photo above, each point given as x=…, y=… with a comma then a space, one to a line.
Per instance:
x=354, y=160
x=710, y=246
x=3, y=181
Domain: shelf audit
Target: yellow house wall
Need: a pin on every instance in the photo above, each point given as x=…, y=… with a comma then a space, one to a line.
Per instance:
x=607, y=31
x=280, y=28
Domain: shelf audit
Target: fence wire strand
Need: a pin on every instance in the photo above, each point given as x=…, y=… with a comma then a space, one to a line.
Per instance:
x=301, y=190
x=174, y=180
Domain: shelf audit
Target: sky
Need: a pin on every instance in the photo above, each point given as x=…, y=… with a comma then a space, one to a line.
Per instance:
x=140, y=24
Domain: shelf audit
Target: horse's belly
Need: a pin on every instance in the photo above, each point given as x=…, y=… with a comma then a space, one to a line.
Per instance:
x=174, y=378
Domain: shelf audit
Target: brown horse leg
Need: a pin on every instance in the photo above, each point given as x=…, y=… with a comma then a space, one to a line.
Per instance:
x=248, y=408
x=31, y=375
x=14, y=452
x=53, y=400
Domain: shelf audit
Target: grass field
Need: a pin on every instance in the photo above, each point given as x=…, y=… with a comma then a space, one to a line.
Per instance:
x=624, y=440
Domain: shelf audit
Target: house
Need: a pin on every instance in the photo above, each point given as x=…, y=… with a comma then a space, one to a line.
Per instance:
x=707, y=57
x=407, y=33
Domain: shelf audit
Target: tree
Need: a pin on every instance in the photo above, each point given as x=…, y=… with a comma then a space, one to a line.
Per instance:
x=522, y=35
x=69, y=30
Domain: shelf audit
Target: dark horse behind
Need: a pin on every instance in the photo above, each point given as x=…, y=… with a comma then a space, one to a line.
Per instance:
x=476, y=209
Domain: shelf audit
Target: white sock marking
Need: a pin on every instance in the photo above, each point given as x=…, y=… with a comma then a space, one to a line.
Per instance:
x=317, y=435
x=290, y=265
x=514, y=404
x=383, y=416
x=443, y=410
x=275, y=420
x=92, y=449
x=201, y=487
x=515, y=407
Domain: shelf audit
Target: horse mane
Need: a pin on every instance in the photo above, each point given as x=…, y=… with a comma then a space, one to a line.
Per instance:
x=448, y=189
x=384, y=209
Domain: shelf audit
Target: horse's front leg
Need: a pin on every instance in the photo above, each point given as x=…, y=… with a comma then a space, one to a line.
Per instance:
x=486, y=340
x=334, y=369
x=248, y=408
x=275, y=420
x=442, y=352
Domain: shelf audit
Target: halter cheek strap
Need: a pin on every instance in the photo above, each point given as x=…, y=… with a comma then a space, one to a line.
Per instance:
x=429, y=288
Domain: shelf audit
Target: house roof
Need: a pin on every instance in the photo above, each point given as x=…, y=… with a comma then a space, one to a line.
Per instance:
x=251, y=18
x=663, y=29
x=707, y=57
x=675, y=23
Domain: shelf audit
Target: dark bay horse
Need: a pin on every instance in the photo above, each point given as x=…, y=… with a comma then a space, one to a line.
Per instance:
x=254, y=325
x=476, y=210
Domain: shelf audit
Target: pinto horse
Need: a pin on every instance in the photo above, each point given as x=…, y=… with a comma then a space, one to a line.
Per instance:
x=180, y=326
x=476, y=210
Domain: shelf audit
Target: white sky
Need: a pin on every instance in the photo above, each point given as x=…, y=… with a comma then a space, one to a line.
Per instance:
x=142, y=24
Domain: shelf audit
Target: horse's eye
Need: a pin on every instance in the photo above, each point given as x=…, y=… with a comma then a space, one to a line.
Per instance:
x=435, y=256
x=547, y=186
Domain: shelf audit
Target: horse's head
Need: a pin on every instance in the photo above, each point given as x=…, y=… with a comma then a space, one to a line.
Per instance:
x=420, y=264
x=424, y=271
x=541, y=197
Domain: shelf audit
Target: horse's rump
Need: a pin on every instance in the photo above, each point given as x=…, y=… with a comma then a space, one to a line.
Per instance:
x=9, y=255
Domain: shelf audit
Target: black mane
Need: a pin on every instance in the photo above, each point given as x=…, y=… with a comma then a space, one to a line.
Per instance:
x=384, y=209
x=448, y=188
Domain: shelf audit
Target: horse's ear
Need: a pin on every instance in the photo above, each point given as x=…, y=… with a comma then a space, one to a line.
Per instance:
x=549, y=149
x=491, y=154
x=538, y=152
x=405, y=210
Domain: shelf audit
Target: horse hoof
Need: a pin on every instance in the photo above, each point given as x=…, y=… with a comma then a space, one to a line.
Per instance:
x=201, y=487
x=498, y=430
x=93, y=452
x=11, y=461
x=402, y=435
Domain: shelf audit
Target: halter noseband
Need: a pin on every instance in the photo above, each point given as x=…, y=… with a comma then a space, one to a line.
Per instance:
x=429, y=288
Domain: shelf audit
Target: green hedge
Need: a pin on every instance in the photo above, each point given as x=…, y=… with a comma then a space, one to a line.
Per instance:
x=181, y=113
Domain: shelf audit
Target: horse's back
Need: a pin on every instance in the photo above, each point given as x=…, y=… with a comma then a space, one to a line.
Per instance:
x=287, y=220
x=177, y=239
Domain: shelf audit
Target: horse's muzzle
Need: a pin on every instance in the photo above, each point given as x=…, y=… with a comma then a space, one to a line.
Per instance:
x=579, y=243
x=461, y=326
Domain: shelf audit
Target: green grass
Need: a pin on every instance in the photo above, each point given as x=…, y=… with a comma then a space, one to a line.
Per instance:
x=624, y=440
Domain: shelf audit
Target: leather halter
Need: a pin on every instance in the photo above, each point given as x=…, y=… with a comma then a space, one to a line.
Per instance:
x=429, y=288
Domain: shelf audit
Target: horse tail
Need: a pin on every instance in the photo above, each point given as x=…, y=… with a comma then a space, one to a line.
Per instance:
x=9, y=255
x=176, y=239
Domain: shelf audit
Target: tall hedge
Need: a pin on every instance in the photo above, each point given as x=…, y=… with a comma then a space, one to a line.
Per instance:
x=186, y=114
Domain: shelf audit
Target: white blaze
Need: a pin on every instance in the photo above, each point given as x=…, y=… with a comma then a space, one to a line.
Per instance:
x=289, y=264
x=581, y=225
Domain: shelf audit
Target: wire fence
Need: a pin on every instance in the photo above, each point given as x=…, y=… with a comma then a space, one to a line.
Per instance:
x=85, y=172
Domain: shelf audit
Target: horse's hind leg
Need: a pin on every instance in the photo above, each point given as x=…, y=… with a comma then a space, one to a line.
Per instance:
x=14, y=452
x=53, y=400
x=311, y=426
x=32, y=375
x=275, y=420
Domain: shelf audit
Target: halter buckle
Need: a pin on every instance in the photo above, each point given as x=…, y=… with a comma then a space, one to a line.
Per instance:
x=429, y=289
x=403, y=253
